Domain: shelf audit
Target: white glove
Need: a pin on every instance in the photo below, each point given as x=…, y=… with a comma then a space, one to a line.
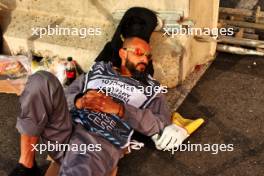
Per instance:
x=172, y=136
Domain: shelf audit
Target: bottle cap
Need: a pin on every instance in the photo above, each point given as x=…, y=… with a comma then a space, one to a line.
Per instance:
x=69, y=59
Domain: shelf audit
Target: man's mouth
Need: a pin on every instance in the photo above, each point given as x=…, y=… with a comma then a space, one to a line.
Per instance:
x=141, y=66
x=141, y=63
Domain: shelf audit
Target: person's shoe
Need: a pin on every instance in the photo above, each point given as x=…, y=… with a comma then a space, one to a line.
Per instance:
x=21, y=170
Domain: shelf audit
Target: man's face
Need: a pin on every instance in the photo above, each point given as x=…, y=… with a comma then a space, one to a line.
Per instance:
x=137, y=55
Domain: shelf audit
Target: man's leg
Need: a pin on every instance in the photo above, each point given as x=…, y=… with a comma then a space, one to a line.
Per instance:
x=44, y=114
x=89, y=163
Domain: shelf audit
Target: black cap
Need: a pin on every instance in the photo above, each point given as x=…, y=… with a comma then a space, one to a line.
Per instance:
x=137, y=22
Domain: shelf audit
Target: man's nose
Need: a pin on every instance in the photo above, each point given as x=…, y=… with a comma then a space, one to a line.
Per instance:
x=144, y=59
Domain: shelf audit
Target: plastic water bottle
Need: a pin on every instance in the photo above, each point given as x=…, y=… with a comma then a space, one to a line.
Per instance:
x=70, y=71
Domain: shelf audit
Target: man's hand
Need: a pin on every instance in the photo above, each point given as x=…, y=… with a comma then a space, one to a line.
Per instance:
x=99, y=102
x=91, y=100
x=172, y=137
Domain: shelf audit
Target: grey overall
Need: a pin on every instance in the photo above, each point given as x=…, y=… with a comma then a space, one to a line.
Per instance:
x=45, y=113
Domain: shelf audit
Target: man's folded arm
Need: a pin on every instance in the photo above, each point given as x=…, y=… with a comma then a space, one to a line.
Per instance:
x=151, y=120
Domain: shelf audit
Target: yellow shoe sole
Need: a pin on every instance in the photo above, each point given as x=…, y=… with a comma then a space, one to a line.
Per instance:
x=188, y=124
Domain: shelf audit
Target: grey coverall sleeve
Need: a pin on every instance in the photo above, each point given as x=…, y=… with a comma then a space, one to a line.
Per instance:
x=151, y=120
x=75, y=90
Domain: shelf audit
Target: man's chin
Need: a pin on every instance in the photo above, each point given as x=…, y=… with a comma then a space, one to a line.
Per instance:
x=140, y=76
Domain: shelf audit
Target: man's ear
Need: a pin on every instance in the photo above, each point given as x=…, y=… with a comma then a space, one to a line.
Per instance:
x=122, y=54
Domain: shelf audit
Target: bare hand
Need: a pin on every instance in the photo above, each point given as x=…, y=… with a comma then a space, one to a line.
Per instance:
x=99, y=102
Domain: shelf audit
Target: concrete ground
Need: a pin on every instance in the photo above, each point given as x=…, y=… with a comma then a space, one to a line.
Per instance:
x=229, y=96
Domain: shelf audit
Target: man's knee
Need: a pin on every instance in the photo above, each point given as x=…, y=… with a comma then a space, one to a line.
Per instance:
x=42, y=76
x=42, y=81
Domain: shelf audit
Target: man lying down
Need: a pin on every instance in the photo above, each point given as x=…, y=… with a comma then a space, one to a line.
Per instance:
x=102, y=119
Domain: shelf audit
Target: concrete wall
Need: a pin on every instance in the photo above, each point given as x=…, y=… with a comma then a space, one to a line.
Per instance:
x=174, y=58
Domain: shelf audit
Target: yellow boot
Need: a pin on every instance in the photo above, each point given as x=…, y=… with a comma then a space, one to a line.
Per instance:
x=188, y=124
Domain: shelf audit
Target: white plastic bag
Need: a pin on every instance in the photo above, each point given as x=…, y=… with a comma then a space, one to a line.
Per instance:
x=54, y=65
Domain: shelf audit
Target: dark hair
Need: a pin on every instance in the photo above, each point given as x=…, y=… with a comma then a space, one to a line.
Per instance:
x=136, y=22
